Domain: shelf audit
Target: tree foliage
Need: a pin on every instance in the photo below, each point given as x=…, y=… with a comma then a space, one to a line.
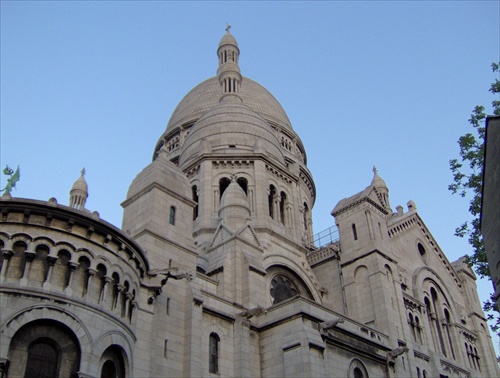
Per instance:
x=467, y=181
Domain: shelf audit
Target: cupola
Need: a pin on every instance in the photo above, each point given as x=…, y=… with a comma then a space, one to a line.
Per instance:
x=228, y=72
x=79, y=192
x=378, y=184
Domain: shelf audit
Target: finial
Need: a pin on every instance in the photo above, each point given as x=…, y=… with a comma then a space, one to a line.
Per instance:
x=83, y=171
x=227, y=27
x=375, y=171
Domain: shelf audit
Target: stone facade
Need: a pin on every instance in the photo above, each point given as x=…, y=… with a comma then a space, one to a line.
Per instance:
x=215, y=271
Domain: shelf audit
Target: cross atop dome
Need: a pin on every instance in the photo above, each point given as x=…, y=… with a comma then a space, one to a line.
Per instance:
x=228, y=27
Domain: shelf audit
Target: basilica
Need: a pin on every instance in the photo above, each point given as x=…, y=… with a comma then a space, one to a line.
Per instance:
x=216, y=270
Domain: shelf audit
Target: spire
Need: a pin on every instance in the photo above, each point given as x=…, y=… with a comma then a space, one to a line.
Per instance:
x=228, y=72
x=79, y=192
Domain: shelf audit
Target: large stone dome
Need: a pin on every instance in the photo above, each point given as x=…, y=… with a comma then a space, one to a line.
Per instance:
x=207, y=94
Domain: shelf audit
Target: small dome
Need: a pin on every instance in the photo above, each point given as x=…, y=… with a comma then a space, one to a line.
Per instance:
x=228, y=39
x=377, y=181
x=230, y=128
x=80, y=184
x=234, y=206
x=79, y=192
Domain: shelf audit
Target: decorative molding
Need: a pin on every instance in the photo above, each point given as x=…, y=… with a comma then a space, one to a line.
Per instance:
x=218, y=164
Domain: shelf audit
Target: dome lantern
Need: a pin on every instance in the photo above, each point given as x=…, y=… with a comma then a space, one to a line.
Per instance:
x=79, y=192
x=228, y=72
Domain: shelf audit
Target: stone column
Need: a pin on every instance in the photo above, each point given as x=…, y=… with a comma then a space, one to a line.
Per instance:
x=71, y=268
x=51, y=261
x=116, y=299
x=90, y=274
x=104, y=292
x=7, y=254
x=29, y=257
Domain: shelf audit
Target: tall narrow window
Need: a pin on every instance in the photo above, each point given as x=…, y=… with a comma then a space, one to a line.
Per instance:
x=282, y=207
x=195, y=199
x=223, y=184
x=434, y=298
x=306, y=215
x=243, y=183
x=214, y=353
x=171, y=219
x=447, y=329
x=272, y=193
x=354, y=232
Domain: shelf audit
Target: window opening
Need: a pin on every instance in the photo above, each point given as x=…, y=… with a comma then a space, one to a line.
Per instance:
x=354, y=232
x=306, y=215
x=243, y=183
x=272, y=193
x=194, y=190
x=171, y=219
x=223, y=184
x=108, y=370
x=282, y=207
x=43, y=360
x=214, y=353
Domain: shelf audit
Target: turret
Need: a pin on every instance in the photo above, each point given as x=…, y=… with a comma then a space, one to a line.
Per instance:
x=228, y=72
x=79, y=192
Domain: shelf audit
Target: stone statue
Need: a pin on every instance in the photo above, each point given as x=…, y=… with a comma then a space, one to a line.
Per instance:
x=248, y=314
x=331, y=323
x=12, y=180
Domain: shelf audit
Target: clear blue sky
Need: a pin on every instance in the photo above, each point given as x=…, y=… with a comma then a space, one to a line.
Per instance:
x=93, y=84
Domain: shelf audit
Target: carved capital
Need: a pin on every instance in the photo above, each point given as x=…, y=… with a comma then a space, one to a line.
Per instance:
x=30, y=256
x=51, y=260
x=7, y=253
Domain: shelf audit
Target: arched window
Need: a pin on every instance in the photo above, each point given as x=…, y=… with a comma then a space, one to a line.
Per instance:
x=435, y=302
x=44, y=349
x=108, y=370
x=447, y=329
x=272, y=193
x=171, y=218
x=116, y=290
x=358, y=373
x=306, y=215
x=282, y=207
x=213, y=353
x=421, y=249
x=357, y=369
x=243, y=183
x=223, y=184
x=282, y=288
x=113, y=363
x=418, y=330
x=412, y=326
x=194, y=190
x=43, y=359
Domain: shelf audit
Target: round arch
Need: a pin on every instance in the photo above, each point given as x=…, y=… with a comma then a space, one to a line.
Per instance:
x=44, y=347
